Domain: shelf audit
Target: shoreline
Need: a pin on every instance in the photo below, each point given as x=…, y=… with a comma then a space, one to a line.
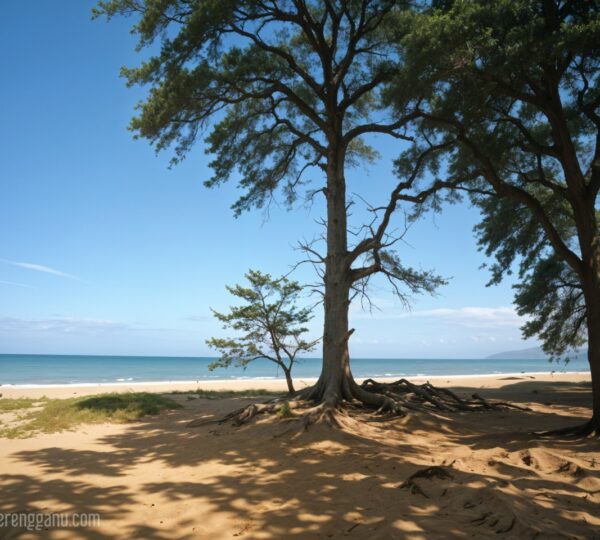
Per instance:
x=492, y=380
x=28, y=386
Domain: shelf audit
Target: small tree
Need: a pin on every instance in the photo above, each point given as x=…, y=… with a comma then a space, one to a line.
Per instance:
x=271, y=323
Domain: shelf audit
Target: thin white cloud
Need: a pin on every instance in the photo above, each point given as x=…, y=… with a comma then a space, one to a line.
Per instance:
x=473, y=316
x=469, y=316
x=61, y=325
x=198, y=318
x=14, y=283
x=41, y=268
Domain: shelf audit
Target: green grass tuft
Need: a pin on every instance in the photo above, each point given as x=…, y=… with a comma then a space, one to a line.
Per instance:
x=285, y=411
x=62, y=414
x=9, y=405
x=127, y=406
x=223, y=394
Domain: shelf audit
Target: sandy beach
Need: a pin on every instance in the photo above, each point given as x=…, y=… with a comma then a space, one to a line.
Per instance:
x=159, y=479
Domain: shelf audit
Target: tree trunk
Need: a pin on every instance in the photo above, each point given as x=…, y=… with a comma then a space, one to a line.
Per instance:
x=589, y=241
x=336, y=383
x=594, y=323
x=594, y=359
x=335, y=380
x=289, y=381
x=593, y=327
x=591, y=291
x=592, y=426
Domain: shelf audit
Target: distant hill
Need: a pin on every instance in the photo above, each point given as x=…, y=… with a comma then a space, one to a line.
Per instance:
x=535, y=353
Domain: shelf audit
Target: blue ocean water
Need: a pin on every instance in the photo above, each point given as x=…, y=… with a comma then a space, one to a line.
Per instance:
x=30, y=369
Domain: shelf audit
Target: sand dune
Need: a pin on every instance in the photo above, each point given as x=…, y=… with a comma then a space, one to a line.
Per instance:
x=468, y=475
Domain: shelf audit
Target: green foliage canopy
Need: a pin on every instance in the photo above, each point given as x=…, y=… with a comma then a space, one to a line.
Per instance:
x=274, y=82
x=509, y=96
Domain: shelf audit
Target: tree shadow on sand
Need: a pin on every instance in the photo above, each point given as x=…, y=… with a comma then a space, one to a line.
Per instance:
x=161, y=479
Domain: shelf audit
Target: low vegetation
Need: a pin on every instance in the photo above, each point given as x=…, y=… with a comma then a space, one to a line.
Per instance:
x=52, y=415
x=9, y=405
x=224, y=394
x=285, y=411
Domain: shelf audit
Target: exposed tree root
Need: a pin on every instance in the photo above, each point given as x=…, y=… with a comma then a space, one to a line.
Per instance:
x=243, y=415
x=591, y=428
x=323, y=413
x=389, y=399
x=407, y=395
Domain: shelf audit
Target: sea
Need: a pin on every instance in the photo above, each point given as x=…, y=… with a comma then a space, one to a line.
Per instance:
x=41, y=370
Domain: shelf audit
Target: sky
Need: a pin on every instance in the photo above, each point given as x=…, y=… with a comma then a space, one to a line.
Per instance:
x=104, y=249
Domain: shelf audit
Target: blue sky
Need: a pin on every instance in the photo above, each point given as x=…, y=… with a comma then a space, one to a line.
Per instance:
x=105, y=250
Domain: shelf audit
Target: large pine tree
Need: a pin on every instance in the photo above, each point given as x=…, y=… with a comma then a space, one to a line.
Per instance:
x=284, y=87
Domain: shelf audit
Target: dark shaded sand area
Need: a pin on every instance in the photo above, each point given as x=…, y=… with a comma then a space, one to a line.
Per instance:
x=464, y=475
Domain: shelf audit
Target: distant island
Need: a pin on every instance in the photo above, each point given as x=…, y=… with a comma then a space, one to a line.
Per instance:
x=534, y=353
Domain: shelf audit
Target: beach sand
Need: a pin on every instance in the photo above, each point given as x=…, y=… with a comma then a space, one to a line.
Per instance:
x=65, y=391
x=158, y=479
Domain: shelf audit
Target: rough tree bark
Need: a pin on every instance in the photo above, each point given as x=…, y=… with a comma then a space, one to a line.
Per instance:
x=589, y=234
x=592, y=294
x=594, y=359
x=333, y=384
